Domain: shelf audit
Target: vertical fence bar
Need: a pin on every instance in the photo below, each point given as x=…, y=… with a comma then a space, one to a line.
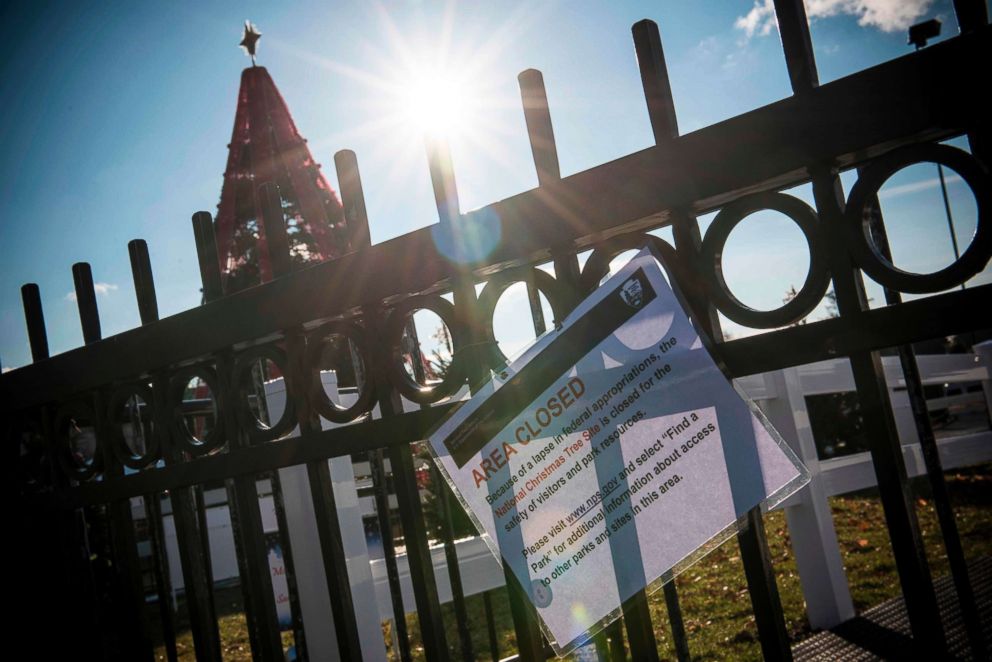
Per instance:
x=869, y=377
x=451, y=558
x=89, y=317
x=907, y=544
x=289, y=562
x=127, y=605
x=487, y=607
x=415, y=537
x=201, y=523
x=381, y=495
x=355, y=214
x=540, y=130
x=408, y=500
x=60, y=553
x=664, y=126
x=890, y=469
x=615, y=636
x=144, y=281
x=541, y=135
x=199, y=601
x=35, y=318
x=931, y=459
x=144, y=290
x=797, y=45
x=206, y=253
x=260, y=608
x=242, y=492
x=318, y=472
x=163, y=581
x=544, y=152
x=446, y=196
x=972, y=14
x=196, y=577
x=247, y=527
x=353, y=200
x=529, y=639
x=675, y=619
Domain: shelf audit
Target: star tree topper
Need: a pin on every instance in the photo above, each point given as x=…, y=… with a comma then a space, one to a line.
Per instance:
x=249, y=40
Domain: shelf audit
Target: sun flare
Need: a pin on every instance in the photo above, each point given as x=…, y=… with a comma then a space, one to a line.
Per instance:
x=435, y=102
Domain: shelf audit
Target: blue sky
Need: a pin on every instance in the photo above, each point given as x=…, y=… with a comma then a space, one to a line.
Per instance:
x=115, y=121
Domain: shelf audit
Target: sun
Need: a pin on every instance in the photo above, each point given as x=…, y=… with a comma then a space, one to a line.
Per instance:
x=431, y=89
x=435, y=101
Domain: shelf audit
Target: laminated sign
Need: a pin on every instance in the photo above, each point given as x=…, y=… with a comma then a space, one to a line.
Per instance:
x=612, y=454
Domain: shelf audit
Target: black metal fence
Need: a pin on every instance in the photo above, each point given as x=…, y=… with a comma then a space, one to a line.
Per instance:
x=73, y=417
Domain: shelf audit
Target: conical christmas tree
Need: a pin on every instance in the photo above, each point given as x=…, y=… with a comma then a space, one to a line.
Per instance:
x=267, y=147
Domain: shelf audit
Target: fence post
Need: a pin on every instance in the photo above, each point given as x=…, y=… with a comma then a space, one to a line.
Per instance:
x=810, y=521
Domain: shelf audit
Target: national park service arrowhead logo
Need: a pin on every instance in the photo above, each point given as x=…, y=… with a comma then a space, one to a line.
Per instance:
x=632, y=293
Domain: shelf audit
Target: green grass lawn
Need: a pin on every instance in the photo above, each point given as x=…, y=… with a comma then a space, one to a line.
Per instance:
x=713, y=593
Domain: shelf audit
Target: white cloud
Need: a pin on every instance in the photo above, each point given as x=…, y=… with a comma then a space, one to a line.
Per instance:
x=915, y=187
x=885, y=15
x=102, y=289
x=760, y=20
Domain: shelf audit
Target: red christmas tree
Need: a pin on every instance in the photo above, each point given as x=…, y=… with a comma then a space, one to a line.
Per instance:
x=267, y=147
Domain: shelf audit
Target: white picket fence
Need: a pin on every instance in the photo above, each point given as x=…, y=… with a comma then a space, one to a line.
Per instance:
x=781, y=395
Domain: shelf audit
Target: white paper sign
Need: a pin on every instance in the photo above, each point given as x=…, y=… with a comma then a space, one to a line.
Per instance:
x=610, y=455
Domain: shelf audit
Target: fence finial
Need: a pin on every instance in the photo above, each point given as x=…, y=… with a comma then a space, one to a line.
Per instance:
x=144, y=282
x=539, y=128
x=34, y=316
x=206, y=252
x=654, y=80
x=89, y=315
x=443, y=180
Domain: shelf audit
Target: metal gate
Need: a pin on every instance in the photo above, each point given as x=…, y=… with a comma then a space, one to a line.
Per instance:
x=73, y=488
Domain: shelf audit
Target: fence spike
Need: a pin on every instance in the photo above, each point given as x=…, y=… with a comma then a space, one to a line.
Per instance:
x=34, y=316
x=144, y=282
x=89, y=315
x=443, y=179
x=206, y=252
x=797, y=44
x=274, y=224
x=654, y=80
x=539, y=128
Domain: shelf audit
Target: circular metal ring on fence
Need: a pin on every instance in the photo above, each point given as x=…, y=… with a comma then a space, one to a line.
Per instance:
x=817, y=280
x=598, y=264
x=127, y=456
x=856, y=222
x=256, y=430
x=73, y=442
x=453, y=373
x=494, y=289
x=317, y=396
x=214, y=437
